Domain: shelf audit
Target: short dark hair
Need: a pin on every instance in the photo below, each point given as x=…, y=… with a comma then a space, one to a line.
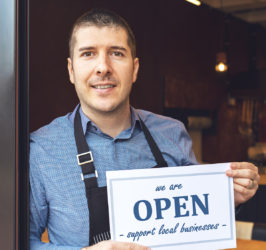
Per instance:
x=102, y=18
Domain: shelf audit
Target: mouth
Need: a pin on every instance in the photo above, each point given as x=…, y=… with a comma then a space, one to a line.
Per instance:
x=103, y=86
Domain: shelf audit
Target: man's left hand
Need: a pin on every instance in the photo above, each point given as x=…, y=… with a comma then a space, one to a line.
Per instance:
x=246, y=180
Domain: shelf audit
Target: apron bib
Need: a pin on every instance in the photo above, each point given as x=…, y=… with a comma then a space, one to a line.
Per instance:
x=97, y=196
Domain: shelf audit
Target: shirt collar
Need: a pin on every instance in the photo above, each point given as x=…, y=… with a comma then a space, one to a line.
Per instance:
x=85, y=120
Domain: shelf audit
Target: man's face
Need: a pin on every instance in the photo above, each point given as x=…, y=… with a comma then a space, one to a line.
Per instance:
x=102, y=69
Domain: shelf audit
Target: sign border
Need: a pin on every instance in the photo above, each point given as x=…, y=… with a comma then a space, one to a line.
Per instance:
x=167, y=176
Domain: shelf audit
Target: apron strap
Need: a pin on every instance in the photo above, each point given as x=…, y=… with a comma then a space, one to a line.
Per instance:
x=84, y=156
x=96, y=197
x=153, y=146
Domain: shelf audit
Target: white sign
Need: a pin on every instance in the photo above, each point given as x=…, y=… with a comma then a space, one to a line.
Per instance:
x=188, y=207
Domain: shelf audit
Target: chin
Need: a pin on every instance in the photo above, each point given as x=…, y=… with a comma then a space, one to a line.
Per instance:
x=106, y=109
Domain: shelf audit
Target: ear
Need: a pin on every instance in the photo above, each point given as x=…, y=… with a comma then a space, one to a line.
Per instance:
x=70, y=70
x=135, y=69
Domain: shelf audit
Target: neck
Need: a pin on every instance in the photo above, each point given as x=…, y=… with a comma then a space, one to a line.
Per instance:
x=111, y=123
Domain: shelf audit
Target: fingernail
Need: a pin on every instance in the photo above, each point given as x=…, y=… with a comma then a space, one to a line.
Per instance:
x=229, y=171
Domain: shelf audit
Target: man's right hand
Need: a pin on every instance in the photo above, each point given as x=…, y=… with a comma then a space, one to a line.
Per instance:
x=116, y=245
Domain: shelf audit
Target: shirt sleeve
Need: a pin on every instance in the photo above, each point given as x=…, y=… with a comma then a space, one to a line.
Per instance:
x=39, y=208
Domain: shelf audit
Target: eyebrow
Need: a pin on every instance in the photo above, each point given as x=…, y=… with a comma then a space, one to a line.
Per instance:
x=86, y=48
x=119, y=48
x=112, y=47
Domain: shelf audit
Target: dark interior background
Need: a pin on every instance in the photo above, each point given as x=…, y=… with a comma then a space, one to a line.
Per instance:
x=177, y=45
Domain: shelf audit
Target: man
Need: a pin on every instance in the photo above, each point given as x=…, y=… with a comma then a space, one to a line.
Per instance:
x=68, y=194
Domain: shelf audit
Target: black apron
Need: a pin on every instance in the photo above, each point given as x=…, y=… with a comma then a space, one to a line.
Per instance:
x=97, y=196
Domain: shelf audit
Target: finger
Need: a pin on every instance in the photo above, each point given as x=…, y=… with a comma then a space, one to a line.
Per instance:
x=243, y=165
x=245, y=182
x=131, y=246
x=243, y=173
x=116, y=245
x=245, y=192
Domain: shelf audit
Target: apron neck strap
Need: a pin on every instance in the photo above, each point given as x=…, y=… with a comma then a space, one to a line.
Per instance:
x=153, y=146
x=84, y=156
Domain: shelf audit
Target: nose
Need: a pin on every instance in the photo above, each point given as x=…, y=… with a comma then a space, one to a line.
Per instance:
x=103, y=67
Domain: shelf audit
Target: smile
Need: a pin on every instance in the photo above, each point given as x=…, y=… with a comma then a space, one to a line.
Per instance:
x=104, y=86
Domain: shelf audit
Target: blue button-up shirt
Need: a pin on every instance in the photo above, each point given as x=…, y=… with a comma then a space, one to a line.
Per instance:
x=57, y=193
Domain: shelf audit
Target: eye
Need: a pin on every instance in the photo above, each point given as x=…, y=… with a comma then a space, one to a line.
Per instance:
x=117, y=53
x=87, y=54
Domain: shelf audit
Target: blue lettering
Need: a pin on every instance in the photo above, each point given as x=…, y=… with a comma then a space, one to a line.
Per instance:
x=160, y=188
x=174, y=186
x=143, y=208
x=148, y=208
x=196, y=200
x=178, y=206
x=159, y=207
